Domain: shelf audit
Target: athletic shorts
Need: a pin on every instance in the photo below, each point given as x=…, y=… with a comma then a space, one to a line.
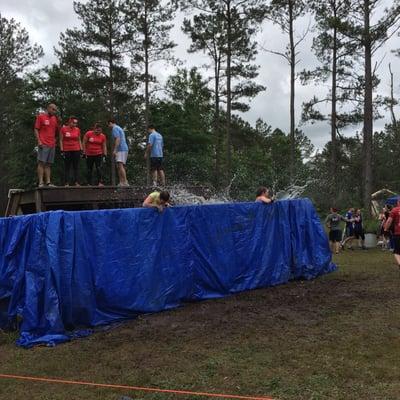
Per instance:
x=349, y=231
x=46, y=154
x=156, y=163
x=359, y=234
x=335, y=236
x=121, y=157
x=396, y=243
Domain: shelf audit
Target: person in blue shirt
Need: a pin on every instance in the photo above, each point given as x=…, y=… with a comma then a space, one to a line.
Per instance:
x=120, y=151
x=154, y=149
x=349, y=232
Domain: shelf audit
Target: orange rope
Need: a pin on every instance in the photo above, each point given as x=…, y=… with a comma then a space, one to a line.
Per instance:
x=137, y=388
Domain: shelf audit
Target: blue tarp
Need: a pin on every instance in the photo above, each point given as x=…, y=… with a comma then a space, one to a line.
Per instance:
x=60, y=271
x=392, y=200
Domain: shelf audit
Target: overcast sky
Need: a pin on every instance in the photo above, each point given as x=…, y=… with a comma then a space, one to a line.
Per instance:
x=46, y=19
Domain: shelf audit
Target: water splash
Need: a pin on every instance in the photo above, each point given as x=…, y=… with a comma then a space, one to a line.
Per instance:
x=292, y=192
x=182, y=196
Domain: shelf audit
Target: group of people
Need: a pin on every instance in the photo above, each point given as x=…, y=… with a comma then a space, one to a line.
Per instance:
x=92, y=146
x=354, y=230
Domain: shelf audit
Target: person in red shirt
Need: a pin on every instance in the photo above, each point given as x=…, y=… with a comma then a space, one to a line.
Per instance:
x=71, y=147
x=46, y=128
x=95, y=150
x=394, y=222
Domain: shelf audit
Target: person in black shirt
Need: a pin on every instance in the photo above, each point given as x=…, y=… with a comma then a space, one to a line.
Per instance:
x=359, y=228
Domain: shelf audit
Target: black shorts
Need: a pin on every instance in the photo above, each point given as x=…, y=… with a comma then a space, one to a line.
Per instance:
x=156, y=163
x=335, y=235
x=359, y=234
x=396, y=243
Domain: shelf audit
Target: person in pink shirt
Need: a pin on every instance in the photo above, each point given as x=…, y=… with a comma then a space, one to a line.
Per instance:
x=71, y=149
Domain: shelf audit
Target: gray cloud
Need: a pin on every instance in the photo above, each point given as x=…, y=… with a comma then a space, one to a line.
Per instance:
x=46, y=19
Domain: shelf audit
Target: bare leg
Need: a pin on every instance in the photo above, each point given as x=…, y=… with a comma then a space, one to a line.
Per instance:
x=162, y=177
x=47, y=173
x=350, y=240
x=122, y=174
x=336, y=245
x=40, y=172
x=154, y=175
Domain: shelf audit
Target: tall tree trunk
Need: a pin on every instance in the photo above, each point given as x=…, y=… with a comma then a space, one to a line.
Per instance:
x=333, y=112
x=292, y=91
x=392, y=100
x=217, y=127
x=368, y=110
x=146, y=87
x=111, y=90
x=229, y=90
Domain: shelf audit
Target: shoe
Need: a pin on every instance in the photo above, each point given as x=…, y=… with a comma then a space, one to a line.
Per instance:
x=77, y=184
x=342, y=246
x=100, y=184
x=41, y=185
x=363, y=248
x=50, y=185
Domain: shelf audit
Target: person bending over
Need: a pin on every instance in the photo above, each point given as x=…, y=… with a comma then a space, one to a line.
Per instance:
x=263, y=195
x=95, y=150
x=158, y=200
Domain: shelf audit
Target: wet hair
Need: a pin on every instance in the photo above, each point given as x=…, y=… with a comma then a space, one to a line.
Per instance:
x=164, y=195
x=151, y=126
x=262, y=190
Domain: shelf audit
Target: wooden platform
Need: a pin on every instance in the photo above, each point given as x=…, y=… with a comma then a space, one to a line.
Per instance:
x=22, y=202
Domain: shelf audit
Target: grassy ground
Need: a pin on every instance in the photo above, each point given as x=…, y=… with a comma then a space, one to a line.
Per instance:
x=334, y=338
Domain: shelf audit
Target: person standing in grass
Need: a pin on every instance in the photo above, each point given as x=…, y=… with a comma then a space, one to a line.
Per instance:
x=359, y=228
x=394, y=223
x=333, y=221
x=349, y=232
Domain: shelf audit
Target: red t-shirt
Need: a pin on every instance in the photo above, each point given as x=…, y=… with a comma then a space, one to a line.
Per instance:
x=395, y=214
x=94, y=143
x=47, y=126
x=70, y=138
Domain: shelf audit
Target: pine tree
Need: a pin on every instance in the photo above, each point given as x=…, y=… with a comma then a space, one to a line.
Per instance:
x=369, y=37
x=97, y=52
x=17, y=54
x=150, y=26
x=335, y=53
x=284, y=13
x=232, y=24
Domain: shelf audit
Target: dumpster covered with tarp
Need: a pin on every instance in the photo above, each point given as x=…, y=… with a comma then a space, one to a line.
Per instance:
x=62, y=272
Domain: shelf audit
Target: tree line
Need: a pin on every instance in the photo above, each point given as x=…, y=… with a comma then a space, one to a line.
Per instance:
x=109, y=64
